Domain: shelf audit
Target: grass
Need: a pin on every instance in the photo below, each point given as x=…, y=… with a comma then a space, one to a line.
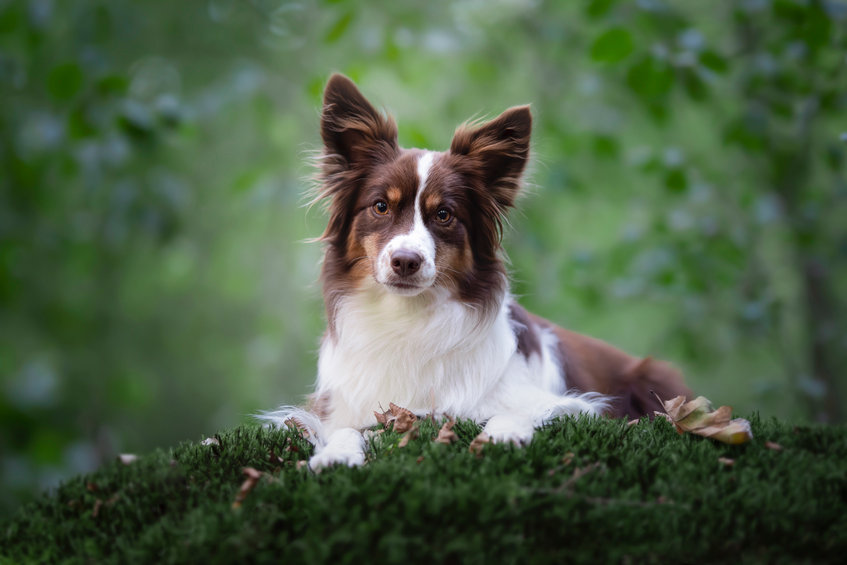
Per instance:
x=585, y=490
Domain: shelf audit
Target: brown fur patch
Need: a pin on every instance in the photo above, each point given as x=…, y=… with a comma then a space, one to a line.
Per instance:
x=526, y=332
x=592, y=365
x=431, y=201
x=477, y=180
x=393, y=194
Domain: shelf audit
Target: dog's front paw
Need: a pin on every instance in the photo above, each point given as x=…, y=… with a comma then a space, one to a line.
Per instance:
x=510, y=429
x=327, y=458
x=345, y=447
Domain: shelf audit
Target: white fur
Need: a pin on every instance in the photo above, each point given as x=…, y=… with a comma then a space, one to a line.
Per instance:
x=432, y=354
x=345, y=446
x=417, y=240
x=422, y=349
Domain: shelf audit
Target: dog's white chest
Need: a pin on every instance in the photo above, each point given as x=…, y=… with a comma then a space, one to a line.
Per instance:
x=429, y=355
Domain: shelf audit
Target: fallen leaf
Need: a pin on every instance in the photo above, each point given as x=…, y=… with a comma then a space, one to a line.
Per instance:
x=96, y=510
x=446, y=435
x=301, y=464
x=568, y=458
x=408, y=436
x=253, y=477
x=478, y=443
x=404, y=419
x=773, y=445
x=383, y=417
x=396, y=417
x=698, y=417
x=210, y=441
x=420, y=459
x=726, y=461
x=127, y=458
x=633, y=422
x=296, y=425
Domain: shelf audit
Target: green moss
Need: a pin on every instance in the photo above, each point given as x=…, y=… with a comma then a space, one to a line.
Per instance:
x=643, y=493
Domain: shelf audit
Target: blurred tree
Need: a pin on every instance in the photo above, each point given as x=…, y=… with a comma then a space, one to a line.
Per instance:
x=778, y=120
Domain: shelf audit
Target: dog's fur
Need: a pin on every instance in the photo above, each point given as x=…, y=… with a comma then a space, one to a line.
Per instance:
x=417, y=297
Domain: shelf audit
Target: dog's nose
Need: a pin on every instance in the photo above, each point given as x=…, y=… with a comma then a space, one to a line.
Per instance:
x=405, y=263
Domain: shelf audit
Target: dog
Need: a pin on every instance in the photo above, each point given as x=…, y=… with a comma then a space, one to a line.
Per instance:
x=417, y=299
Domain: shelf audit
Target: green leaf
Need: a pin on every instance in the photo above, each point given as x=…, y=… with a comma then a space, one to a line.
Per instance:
x=714, y=62
x=695, y=87
x=612, y=46
x=606, y=146
x=64, y=81
x=676, y=180
x=599, y=8
x=113, y=85
x=650, y=78
x=339, y=28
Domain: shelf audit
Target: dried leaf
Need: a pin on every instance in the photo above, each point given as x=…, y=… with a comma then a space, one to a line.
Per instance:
x=698, y=417
x=773, y=445
x=408, y=436
x=127, y=458
x=383, y=417
x=210, y=441
x=734, y=432
x=96, y=510
x=404, y=419
x=302, y=464
x=726, y=461
x=446, y=435
x=478, y=443
x=296, y=425
x=253, y=477
x=568, y=458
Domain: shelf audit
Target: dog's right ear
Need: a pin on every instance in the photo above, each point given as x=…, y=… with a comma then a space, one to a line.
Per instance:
x=351, y=128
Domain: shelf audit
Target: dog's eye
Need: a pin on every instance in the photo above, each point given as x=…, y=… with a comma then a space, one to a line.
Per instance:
x=381, y=207
x=443, y=215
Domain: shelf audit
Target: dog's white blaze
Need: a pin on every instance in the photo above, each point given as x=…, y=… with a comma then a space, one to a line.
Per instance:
x=418, y=239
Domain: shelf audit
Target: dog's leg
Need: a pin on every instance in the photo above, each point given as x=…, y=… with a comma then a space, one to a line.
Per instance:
x=345, y=446
x=510, y=428
x=521, y=411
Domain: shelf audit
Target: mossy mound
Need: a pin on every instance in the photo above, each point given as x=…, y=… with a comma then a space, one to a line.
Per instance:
x=585, y=490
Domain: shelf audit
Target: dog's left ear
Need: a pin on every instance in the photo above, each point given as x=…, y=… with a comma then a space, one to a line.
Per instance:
x=352, y=128
x=499, y=150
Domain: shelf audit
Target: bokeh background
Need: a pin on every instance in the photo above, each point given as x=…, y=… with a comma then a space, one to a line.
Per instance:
x=687, y=197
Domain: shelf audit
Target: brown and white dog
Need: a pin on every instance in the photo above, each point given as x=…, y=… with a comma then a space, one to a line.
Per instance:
x=417, y=297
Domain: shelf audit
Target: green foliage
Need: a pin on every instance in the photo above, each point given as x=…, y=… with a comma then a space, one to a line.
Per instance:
x=687, y=198
x=583, y=491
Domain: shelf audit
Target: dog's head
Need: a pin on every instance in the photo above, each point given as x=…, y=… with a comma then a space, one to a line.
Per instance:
x=407, y=221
